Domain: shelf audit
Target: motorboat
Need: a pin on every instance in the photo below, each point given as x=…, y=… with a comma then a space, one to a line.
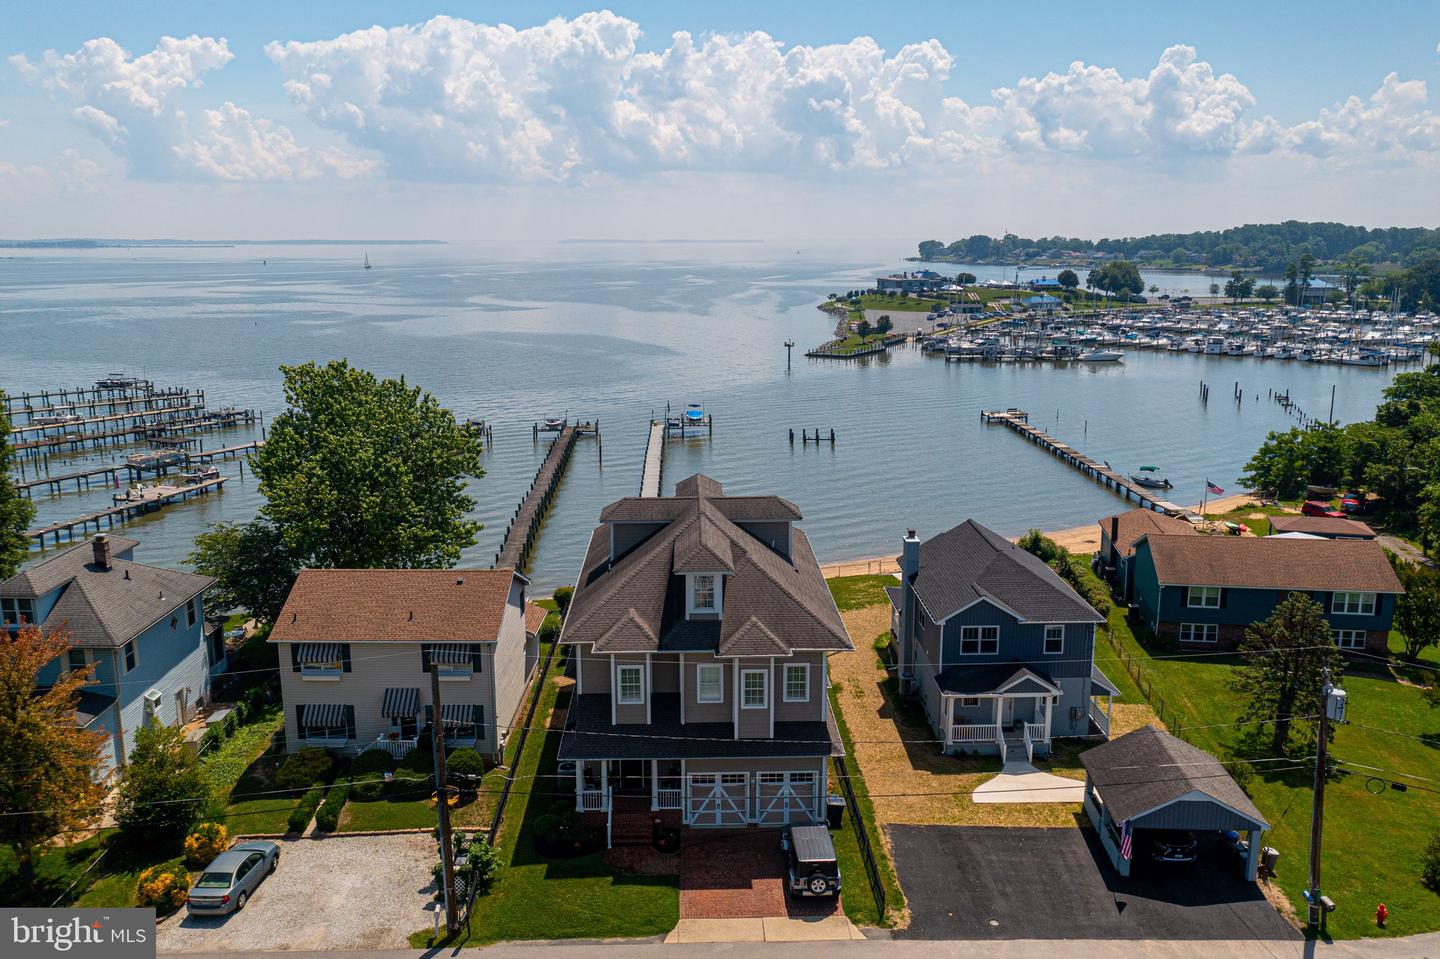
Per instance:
x=1102, y=356
x=553, y=424
x=694, y=414
x=57, y=419
x=1146, y=477
x=1214, y=345
x=201, y=474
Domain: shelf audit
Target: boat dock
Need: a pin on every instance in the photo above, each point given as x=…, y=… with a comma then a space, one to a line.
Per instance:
x=132, y=390
x=151, y=499
x=654, y=460
x=520, y=534
x=155, y=401
x=1019, y=421
x=81, y=478
x=225, y=452
x=151, y=417
x=170, y=432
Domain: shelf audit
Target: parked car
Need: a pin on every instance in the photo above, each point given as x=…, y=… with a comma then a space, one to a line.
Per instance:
x=811, y=868
x=1173, y=845
x=230, y=880
x=1316, y=507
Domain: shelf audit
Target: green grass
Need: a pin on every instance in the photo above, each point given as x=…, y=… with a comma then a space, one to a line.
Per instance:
x=1373, y=839
x=384, y=814
x=55, y=869
x=539, y=898
x=225, y=764
x=116, y=886
x=859, y=592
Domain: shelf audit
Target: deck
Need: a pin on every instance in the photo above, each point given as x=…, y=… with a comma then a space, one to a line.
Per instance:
x=56, y=480
x=156, y=497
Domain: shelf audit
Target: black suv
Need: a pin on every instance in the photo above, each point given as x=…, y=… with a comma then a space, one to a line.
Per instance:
x=1173, y=845
x=810, y=856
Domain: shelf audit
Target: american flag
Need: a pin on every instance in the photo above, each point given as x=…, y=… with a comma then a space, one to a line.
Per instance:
x=1212, y=489
x=1127, y=840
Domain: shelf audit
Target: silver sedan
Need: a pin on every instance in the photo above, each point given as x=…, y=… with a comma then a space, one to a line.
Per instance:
x=229, y=881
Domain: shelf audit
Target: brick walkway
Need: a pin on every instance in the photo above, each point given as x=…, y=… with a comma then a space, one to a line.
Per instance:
x=739, y=875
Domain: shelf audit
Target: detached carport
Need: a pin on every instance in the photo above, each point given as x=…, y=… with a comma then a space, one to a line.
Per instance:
x=1149, y=779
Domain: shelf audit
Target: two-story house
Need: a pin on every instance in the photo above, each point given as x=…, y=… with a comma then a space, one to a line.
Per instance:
x=1203, y=591
x=357, y=648
x=998, y=648
x=1118, y=534
x=141, y=627
x=701, y=626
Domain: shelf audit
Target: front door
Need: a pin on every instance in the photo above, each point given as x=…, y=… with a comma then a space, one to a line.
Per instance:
x=1007, y=711
x=634, y=778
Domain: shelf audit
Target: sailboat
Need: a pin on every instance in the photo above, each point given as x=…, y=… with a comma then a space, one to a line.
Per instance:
x=367, y=261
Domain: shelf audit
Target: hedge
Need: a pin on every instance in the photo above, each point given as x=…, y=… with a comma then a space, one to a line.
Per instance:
x=301, y=815
x=329, y=813
x=305, y=768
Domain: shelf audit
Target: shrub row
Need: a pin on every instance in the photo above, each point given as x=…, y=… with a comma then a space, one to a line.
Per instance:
x=329, y=814
x=301, y=815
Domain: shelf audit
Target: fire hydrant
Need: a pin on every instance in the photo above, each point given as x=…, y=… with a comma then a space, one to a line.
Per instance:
x=1381, y=914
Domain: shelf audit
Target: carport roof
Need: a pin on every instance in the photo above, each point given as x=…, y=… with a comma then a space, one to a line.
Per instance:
x=1149, y=768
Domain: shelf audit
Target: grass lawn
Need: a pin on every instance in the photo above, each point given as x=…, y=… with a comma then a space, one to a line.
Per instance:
x=383, y=814
x=55, y=869
x=244, y=779
x=539, y=898
x=858, y=592
x=1374, y=835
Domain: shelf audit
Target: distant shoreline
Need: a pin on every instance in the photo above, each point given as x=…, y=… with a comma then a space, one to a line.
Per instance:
x=89, y=243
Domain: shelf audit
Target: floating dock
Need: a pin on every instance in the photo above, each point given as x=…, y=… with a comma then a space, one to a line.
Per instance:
x=1019, y=421
x=520, y=534
x=154, y=498
x=654, y=460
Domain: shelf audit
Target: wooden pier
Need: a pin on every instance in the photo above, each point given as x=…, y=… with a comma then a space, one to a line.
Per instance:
x=152, y=402
x=169, y=432
x=654, y=460
x=154, y=498
x=1019, y=421
x=137, y=419
x=81, y=477
x=225, y=452
x=139, y=389
x=520, y=534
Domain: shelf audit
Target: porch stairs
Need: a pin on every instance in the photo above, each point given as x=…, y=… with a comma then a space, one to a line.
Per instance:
x=632, y=822
x=1012, y=746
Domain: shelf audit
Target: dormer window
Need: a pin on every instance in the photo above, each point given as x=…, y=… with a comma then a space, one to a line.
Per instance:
x=705, y=592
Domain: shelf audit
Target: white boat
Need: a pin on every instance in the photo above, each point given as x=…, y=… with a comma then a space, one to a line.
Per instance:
x=1102, y=356
x=57, y=419
x=1195, y=344
x=1215, y=345
x=201, y=474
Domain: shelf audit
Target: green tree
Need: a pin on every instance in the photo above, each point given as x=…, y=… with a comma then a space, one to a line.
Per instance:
x=1068, y=280
x=884, y=326
x=1280, y=678
x=252, y=563
x=964, y=279
x=1353, y=272
x=163, y=791
x=1214, y=289
x=930, y=249
x=1232, y=286
x=1268, y=292
x=361, y=472
x=16, y=511
x=1417, y=611
x=562, y=596
x=1289, y=461
x=863, y=330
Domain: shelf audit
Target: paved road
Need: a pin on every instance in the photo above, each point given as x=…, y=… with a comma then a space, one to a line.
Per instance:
x=1403, y=549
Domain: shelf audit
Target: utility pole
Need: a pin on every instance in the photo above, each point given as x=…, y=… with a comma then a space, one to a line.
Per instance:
x=789, y=345
x=1332, y=707
x=1332, y=404
x=442, y=804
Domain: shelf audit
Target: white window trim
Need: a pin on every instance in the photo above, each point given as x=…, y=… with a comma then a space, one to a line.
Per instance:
x=1190, y=597
x=980, y=640
x=719, y=604
x=134, y=648
x=455, y=672
x=700, y=670
x=785, y=683
x=969, y=702
x=1360, y=596
x=764, y=688
x=1340, y=635
x=620, y=669
x=1046, y=647
x=1206, y=629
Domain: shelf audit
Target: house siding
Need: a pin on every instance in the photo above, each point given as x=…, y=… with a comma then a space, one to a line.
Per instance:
x=665, y=671
x=507, y=663
x=631, y=712
x=1021, y=641
x=168, y=660
x=809, y=710
x=754, y=723
x=698, y=712
x=594, y=671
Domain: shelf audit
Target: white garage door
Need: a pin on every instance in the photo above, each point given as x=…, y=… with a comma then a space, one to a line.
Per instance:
x=717, y=799
x=782, y=798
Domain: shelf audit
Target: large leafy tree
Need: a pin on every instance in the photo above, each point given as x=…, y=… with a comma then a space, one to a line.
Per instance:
x=16, y=511
x=163, y=790
x=252, y=563
x=48, y=787
x=1280, y=679
x=1417, y=611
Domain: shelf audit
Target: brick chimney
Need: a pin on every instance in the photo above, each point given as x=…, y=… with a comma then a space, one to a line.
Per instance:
x=909, y=566
x=100, y=545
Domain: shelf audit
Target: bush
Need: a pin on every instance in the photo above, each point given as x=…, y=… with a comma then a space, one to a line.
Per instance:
x=329, y=814
x=562, y=597
x=1430, y=871
x=305, y=768
x=368, y=787
x=559, y=835
x=301, y=815
x=163, y=790
x=205, y=842
x=163, y=888
x=465, y=762
x=481, y=865
x=550, y=628
x=372, y=760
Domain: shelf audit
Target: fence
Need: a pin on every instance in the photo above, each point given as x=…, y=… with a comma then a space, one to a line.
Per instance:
x=864, y=567
x=862, y=838
x=1146, y=686
x=540, y=679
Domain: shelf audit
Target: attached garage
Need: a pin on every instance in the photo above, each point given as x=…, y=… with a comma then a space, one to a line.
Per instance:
x=1148, y=780
x=717, y=799
x=786, y=797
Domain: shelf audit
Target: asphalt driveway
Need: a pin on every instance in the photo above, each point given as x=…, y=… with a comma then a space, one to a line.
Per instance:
x=974, y=882
x=363, y=892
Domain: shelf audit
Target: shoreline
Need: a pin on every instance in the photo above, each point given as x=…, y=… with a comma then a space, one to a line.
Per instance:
x=1077, y=539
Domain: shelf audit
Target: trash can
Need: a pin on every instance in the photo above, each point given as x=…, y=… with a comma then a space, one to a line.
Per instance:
x=1269, y=856
x=835, y=810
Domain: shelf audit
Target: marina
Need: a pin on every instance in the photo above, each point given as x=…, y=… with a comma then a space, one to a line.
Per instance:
x=144, y=500
x=81, y=479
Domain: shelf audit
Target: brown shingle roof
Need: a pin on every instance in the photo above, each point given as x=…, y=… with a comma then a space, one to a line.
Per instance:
x=534, y=616
x=1321, y=526
x=400, y=605
x=1135, y=523
x=1264, y=562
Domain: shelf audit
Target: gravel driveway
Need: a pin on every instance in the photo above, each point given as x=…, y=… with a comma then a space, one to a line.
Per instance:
x=366, y=892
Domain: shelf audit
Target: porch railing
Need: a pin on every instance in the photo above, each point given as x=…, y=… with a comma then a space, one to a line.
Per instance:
x=1098, y=717
x=1036, y=732
x=395, y=747
x=667, y=799
x=974, y=734
x=593, y=800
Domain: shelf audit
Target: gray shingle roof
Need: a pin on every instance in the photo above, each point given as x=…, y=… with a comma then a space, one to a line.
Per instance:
x=1149, y=767
x=589, y=734
x=971, y=562
x=968, y=680
x=1266, y=562
x=59, y=569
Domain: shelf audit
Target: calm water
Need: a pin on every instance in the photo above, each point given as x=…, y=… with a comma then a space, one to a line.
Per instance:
x=616, y=332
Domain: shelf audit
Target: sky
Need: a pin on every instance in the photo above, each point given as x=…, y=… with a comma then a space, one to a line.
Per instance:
x=500, y=122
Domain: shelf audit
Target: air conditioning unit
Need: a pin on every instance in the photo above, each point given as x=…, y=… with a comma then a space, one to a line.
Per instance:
x=153, y=698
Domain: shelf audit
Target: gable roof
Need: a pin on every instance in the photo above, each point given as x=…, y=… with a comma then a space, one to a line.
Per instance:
x=1135, y=523
x=395, y=605
x=1264, y=562
x=772, y=604
x=534, y=616
x=1321, y=526
x=971, y=563
x=968, y=680
x=59, y=569
x=1148, y=768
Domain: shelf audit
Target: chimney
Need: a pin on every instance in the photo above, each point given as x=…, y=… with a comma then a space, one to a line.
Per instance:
x=909, y=566
x=100, y=546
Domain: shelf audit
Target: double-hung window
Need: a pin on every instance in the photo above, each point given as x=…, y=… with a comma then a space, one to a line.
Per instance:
x=710, y=683
x=630, y=681
x=969, y=702
x=1353, y=604
x=1350, y=638
x=979, y=640
x=797, y=682
x=1199, y=633
x=753, y=691
x=131, y=658
x=17, y=610
x=1054, y=639
x=192, y=611
x=75, y=660
x=704, y=593
x=1204, y=597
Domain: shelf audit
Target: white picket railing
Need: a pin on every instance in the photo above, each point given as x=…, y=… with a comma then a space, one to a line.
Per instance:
x=974, y=734
x=398, y=748
x=667, y=799
x=1036, y=732
x=1097, y=715
x=592, y=800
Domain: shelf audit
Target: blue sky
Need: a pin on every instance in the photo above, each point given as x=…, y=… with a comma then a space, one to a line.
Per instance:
x=278, y=118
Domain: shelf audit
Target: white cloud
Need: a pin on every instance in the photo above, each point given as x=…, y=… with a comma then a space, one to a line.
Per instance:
x=133, y=105
x=69, y=172
x=1394, y=124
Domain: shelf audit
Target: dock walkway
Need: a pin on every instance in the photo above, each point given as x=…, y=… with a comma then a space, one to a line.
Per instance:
x=654, y=460
x=520, y=534
x=1019, y=421
x=154, y=498
x=225, y=452
x=56, y=480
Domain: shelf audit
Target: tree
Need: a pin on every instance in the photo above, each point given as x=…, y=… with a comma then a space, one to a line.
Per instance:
x=1214, y=289
x=1289, y=461
x=1417, y=611
x=562, y=596
x=929, y=249
x=360, y=472
x=1154, y=289
x=1269, y=292
x=50, y=784
x=163, y=791
x=1068, y=280
x=1292, y=283
x=254, y=566
x=16, y=511
x=863, y=329
x=964, y=279
x=884, y=326
x=1281, y=677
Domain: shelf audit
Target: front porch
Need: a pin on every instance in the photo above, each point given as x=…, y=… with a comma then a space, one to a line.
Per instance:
x=1019, y=725
x=599, y=782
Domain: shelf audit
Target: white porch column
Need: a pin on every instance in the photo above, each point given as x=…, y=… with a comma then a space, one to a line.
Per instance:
x=605, y=782
x=1252, y=861
x=654, y=784
x=579, y=780
x=1109, y=714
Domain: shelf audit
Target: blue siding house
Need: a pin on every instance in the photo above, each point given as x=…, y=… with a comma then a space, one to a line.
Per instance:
x=998, y=648
x=1203, y=591
x=141, y=627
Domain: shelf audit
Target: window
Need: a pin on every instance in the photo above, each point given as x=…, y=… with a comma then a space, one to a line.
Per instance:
x=192, y=611
x=797, y=682
x=1054, y=640
x=753, y=694
x=17, y=610
x=75, y=660
x=969, y=702
x=1204, y=597
x=131, y=659
x=1353, y=604
x=631, y=683
x=703, y=597
x=1199, y=633
x=710, y=683
x=1350, y=638
x=979, y=640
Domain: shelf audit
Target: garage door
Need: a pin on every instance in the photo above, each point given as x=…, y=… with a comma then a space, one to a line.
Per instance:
x=782, y=798
x=717, y=799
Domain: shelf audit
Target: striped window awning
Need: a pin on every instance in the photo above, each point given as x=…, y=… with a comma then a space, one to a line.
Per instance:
x=323, y=716
x=457, y=714
x=450, y=654
x=400, y=703
x=310, y=654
